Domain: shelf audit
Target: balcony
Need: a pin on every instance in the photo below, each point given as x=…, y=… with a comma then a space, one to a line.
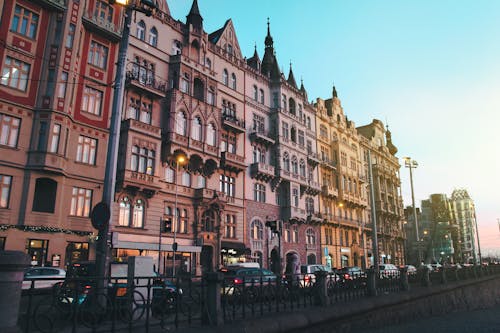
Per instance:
x=138, y=181
x=56, y=5
x=232, y=162
x=47, y=161
x=311, y=188
x=138, y=126
x=261, y=137
x=145, y=83
x=95, y=23
x=329, y=191
x=293, y=214
x=315, y=217
x=312, y=158
x=262, y=171
x=326, y=162
x=233, y=123
x=204, y=193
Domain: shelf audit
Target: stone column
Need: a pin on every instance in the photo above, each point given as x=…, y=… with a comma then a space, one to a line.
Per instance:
x=321, y=286
x=12, y=265
x=212, y=315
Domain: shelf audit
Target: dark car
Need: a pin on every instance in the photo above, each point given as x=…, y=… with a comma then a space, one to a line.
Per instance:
x=351, y=273
x=236, y=279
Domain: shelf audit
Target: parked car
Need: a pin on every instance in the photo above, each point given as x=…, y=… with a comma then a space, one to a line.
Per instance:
x=42, y=277
x=411, y=270
x=436, y=267
x=351, y=272
x=236, y=279
x=387, y=271
x=307, y=276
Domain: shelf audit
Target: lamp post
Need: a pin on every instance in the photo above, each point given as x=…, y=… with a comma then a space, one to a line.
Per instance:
x=180, y=159
x=102, y=246
x=374, y=216
x=412, y=164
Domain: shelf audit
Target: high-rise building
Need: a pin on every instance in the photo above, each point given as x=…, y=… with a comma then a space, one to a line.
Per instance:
x=464, y=213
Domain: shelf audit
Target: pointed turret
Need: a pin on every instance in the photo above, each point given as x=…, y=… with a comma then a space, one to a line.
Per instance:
x=303, y=89
x=194, y=17
x=254, y=61
x=269, y=40
x=334, y=92
x=291, y=78
x=268, y=61
x=388, y=138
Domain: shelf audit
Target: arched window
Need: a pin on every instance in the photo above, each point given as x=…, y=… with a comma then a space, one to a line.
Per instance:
x=233, y=81
x=310, y=236
x=291, y=105
x=255, y=93
x=208, y=221
x=208, y=63
x=141, y=30
x=196, y=132
x=198, y=89
x=295, y=165
x=180, y=123
x=262, y=96
x=211, y=141
x=293, y=134
x=153, y=37
x=311, y=259
x=286, y=162
x=124, y=215
x=255, y=154
x=295, y=197
x=225, y=77
x=257, y=230
x=138, y=219
x=302, y=168
x=295, y=234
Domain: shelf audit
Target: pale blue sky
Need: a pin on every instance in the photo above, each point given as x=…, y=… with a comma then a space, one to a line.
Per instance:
x=430, y=68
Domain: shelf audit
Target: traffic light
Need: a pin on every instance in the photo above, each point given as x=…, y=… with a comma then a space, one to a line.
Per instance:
x=166, y=225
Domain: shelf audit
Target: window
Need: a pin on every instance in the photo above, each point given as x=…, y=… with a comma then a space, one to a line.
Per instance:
x=98, y=55
x=309, y=206
x=295, y=197
x=15, y=74
x=323, y=132
x=227, y=185
x=5, y=187
x=286, y=162
x=255, y=93
x=169, y=175
x=54, y=140
x=153, y=37
x=208, y=63
x=211, y=141
x=180, y=123
x=143, y=160
x=86, y=150
x=261, y=96
x=9, y=130
x=182, y=221
x=61, y=91
x=258, y=123
x=202, y=182
x=301, y=138
x=186, y=179
x=176, y=47
x=257, y=230
x=283, y=101
x=131, y=216
x=225, y=77
x=295, y=166
x=185, y=84
x=259, y=192
x=196, y=129
x=141, y=30
x=287, y=233
x=310, y=237
x=291, y=104
x=211, y=96
x=70, y=36
x=284, y=131
x=81, y=202
x=45, y=195
x=92, y=100
x=198, y=89
x=145, y=113
x=295, y=234
x=42, y=136
x=103, y=11
x=208, y=220
x=328, y=236
x=24, y=22
x=233, y=81
x=302, y=168
x=230, y=227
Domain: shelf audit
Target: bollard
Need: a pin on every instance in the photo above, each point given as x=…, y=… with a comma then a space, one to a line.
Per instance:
x=442, y=272
x=12, y=265
x=426, y=279
x=212, y=315
x=321, y=288
x=403, y=278
x=372, y=282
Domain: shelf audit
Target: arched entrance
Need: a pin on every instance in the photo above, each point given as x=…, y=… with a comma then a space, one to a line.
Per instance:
x=311, y=259
x=206, y=262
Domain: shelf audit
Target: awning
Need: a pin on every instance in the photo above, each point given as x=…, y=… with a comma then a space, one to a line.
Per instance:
x=234, y=248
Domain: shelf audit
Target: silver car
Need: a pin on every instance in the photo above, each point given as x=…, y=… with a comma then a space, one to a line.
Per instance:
x=42, y=277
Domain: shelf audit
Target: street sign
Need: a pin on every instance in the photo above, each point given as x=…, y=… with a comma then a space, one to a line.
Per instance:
x=100, y=215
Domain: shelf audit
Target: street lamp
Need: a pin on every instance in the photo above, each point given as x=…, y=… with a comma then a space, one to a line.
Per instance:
x=180, y=159
x=412, y=164
x=102, y=246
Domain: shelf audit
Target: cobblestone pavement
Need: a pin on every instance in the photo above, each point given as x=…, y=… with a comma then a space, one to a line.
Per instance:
x=477, y=321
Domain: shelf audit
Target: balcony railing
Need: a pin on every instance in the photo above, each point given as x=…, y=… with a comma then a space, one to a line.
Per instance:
x=233, y=123
x=260, y=136
x=57, y=5
x=94, y=22
x=149, y=83
x=262, y=171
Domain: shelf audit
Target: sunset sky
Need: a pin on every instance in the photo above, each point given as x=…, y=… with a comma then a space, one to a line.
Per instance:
x=430, y=69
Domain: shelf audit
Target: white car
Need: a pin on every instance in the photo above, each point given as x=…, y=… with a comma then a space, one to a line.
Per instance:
x=42, y=277
x=388, y=271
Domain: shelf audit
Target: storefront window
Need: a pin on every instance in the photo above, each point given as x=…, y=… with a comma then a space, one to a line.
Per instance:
x=76, y=252
x=37, y=250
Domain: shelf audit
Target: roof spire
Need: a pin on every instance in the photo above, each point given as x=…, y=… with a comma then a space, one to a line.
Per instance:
x=194, y=16
x=334, y=91
x=291, y=78
x=269, y=40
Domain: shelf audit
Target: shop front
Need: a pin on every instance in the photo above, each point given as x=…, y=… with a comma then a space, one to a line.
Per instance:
x=235, y=252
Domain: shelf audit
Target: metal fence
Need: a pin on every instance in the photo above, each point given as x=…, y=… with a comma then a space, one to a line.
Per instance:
x=83, y=305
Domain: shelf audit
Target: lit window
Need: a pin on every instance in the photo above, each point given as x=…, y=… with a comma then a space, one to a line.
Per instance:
x=81, y=200
x=153, y=37
x=143, y=160
x=92, y=101
x=259, y=192
x=5, y=187
x=9, y=130
x=61, y=91
x=15, y=74
x=257, y=230
x=86, y=150
x=54, y=141
x=141, y=30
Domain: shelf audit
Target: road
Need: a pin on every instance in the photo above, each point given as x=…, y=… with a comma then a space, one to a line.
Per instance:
x=478, y=321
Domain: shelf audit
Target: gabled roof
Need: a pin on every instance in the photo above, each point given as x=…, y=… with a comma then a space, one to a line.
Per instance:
x=222, y=37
